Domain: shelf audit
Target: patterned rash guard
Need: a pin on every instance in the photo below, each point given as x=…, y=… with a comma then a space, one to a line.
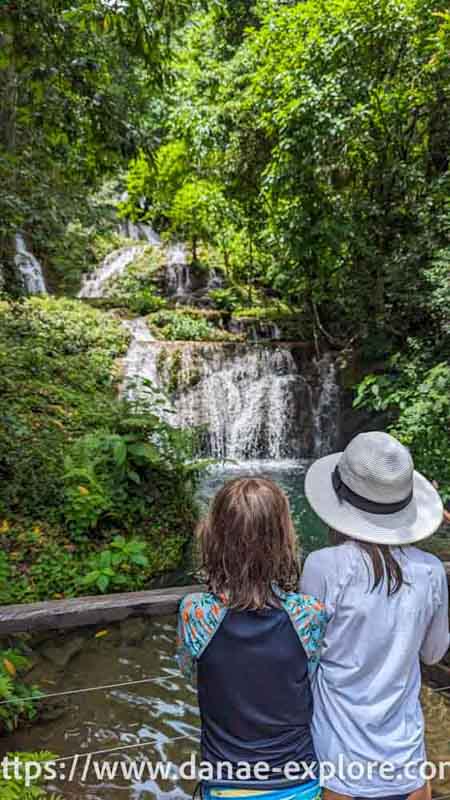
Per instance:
x=253, y=672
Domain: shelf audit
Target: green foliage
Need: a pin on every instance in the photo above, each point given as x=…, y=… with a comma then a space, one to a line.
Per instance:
x=81, y=238
x=4, y=577
x=227, y=299
x=18, y=788
x=173, y=167
x=416, y=392
x=269, y=311
x=75, y=81
x=74, y=454
x=136, y=289
x=111, y=475
x=17, y=699
x=107, y=567
x=192, y=213
x=153, y=183
x=56, y=361
x=49, y=565
x=336, y=189
x=140, y=179
x=178, y=325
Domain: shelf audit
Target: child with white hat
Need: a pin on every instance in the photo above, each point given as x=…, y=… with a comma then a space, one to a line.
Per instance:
x=388, y=606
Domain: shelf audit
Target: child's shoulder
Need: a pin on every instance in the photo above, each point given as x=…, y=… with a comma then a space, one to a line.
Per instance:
x=422, y=558
x=303, y=605
x=199, y=616
x=199, y=608
x=309, y=618
x=194, y=599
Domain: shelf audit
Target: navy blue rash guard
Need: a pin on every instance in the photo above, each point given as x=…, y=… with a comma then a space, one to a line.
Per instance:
x=254, y=692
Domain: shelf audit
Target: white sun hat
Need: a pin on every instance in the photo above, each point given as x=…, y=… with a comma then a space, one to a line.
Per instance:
x=371, y=492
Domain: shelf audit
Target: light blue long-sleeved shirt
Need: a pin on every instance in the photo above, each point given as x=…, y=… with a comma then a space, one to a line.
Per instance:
x=366, y=687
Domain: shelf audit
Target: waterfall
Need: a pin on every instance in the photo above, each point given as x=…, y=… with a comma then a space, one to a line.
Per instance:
x=247, y=401
x=255, y=330
x=215, y=280
x=95, y=284
x=139, y=231
x=29, y=268
x=178, y=272
x=139, y=363
x=326, y=407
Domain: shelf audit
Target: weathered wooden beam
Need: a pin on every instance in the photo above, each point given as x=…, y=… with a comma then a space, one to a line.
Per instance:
x=61, y=614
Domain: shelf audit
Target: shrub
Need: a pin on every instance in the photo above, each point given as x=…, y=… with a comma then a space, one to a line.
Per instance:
x=17, y=788
x=136, y=288
x=56, y=382
x=91, y=464
x=114, y=475
x=17, y=699
x=184, y=326
x=416, y=394
x=108, y=566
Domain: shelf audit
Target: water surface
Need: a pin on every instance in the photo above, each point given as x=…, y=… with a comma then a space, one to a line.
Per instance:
x=159, y=719
x=290, y=475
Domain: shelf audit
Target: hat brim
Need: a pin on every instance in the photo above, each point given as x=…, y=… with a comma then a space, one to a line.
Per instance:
x=419, y=520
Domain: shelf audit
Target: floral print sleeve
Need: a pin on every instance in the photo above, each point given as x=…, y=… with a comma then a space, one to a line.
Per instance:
x=199, y=618
x=201, y=613
x=309, y=618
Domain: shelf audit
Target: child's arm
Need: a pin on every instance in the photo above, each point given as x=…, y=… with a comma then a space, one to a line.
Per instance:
x=184, y=655
x=199, y=617
x=437, y=640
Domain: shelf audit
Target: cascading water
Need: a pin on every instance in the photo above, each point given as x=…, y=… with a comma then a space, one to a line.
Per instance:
x=94, y=285
x=115, y=264
x=256, y=330
x=261, y=400
x=326, y=406
x=139, y=363
x=29, y=268
x=249, y=401
x=178, y=272
x=139, y=231
x=215, y=280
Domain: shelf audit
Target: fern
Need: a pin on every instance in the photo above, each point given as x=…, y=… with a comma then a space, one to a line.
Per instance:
x=12, y=788
x=22, y=697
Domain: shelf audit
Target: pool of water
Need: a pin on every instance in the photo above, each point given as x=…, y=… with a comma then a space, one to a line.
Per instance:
x=290, y=475
x=155, y=721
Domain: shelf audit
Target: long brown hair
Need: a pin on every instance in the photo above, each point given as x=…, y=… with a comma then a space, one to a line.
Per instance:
x=385, y=566
x=248, y=542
